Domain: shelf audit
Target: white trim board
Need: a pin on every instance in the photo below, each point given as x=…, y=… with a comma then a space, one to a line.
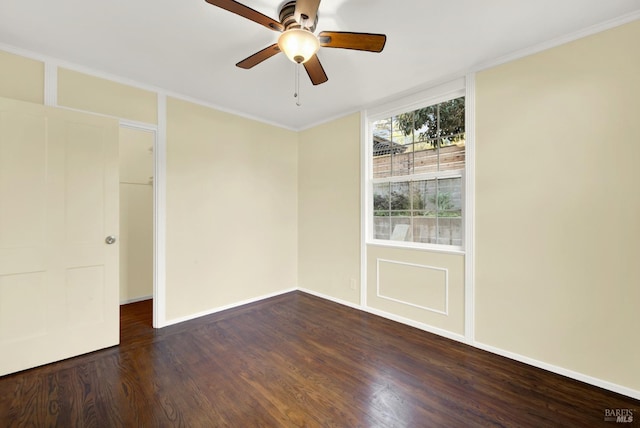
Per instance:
x=160, y=216
x=135, y=300
x=50, y=84
x=421, y=326
x=127, y=123
x=560, y=370
x=451, y=88
x=329, y=298
x=558, y=41
x=417, y=246
x=139, y=126
x=364, y=198
x=469, y=209
x=179, y=320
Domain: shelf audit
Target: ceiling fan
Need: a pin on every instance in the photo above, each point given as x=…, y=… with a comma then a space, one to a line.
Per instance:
x=298, y=21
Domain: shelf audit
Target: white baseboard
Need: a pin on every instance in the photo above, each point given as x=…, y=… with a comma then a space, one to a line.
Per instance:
x=392, y=317
x=331, y=299
x=421, y=326
x=561, y=371
x=137, y=299
x=224, y=308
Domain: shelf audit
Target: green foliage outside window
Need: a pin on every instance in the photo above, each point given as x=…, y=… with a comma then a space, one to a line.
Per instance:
x=435, y=124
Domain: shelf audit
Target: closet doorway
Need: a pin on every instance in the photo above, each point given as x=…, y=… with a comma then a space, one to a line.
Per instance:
x=136, y=214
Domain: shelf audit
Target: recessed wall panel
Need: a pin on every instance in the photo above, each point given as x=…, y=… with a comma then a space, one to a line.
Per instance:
x=413, y=284
x=422, y=286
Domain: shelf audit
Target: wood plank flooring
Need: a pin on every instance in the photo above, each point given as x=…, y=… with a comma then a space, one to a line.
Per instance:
x=295, y=361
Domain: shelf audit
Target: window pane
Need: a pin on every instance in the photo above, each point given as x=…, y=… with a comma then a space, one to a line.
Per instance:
x=381, y=197
x=451, y=130
x=422, y=123
x=452, y=156
x=400, y=201
x=401, y=228
x=451, y=118
x=402, y=155
x=382, y=148
x=449, y=199
x=449, y=231
x=417, y=195
x=400, y=134
x=424, y=229
x=450, y=211
x=424, y=197
x=402, y=163
x=382, y=227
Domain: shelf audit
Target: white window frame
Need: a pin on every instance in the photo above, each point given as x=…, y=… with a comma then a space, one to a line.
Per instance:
x=432, y=96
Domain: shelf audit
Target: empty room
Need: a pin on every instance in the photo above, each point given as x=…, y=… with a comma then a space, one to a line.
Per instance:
x=319, y=213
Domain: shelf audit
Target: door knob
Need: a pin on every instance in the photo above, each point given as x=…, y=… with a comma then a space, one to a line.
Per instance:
x=110, y=239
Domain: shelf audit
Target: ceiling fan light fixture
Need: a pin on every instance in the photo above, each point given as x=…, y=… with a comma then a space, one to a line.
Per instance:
x=298, y=44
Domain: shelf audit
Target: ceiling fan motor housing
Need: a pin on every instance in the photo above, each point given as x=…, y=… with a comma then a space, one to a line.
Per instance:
x=288, y=20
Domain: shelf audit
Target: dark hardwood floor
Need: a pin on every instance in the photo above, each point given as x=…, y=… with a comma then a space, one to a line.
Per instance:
x=295, y=360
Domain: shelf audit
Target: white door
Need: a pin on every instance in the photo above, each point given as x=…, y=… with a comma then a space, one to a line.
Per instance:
x=58, y=203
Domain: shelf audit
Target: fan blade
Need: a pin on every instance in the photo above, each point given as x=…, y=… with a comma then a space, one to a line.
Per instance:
x=258, y=57
x=247, y=12
x=358, y=41
x=315, y=71
x=306, y=10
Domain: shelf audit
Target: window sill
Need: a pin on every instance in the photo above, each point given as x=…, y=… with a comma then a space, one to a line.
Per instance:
x=447, y=249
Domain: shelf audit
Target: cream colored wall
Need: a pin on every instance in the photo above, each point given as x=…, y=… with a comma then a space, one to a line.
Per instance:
x=89, y=93
x=232, y=215
x=21, y=78
x=136, y=214
x=329, y=209
x=558, y=206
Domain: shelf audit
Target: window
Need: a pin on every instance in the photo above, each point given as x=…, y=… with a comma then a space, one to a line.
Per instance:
x=416, y=175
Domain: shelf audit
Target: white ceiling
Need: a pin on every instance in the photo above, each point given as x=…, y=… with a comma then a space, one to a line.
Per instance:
x=190, y=47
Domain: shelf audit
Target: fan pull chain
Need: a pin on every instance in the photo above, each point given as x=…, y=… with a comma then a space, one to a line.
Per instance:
x=296, y=94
